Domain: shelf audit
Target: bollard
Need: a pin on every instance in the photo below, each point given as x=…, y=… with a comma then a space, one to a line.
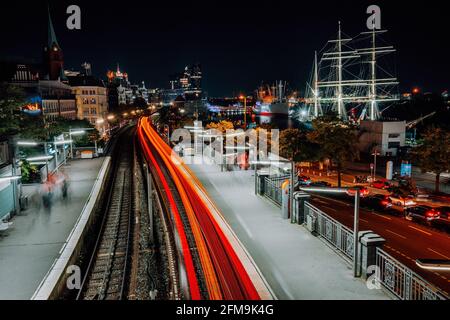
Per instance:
x=285, y=197
x=369, y=243
x=298, y=215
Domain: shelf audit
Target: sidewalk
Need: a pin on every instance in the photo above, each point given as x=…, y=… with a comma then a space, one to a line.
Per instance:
x=296, y=264
x=29, y=248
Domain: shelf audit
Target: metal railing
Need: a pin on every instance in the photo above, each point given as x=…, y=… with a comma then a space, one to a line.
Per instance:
x=272, y=188
x=334, y=233
x=402, y=281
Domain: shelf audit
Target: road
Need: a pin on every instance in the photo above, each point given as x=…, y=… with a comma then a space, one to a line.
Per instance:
x=405, y=240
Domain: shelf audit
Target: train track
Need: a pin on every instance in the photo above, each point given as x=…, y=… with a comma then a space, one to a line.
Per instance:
x=106, y=273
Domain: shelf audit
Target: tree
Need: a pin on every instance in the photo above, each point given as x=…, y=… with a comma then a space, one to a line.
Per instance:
x=433, y=155
x=171, y=116
x=294, y=145
x=12, y=98
x=336, y=139
x=221, y=126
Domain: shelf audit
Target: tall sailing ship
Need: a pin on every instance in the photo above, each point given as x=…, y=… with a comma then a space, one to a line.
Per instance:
x=351, y=78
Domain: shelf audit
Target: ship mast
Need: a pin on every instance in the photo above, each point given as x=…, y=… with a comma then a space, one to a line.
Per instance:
x=337, y=56
x=339, y=72
x=373, y=91
x=316, y=87
x=373, y=97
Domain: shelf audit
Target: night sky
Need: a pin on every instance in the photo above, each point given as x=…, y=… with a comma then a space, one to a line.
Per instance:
x=238, y=43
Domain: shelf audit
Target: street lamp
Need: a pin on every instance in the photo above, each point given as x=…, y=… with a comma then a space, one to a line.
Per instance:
x=374, y=174
x=355, y=217
x=10, y=178
x=277, y=161
x=167, y=132
x=242, y=97
x=78, y=132
x=33, y=144
x=27, y=143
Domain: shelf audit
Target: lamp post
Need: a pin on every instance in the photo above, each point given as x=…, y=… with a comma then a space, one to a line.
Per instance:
x=77, y=132
x=33, y=144
x=355, y=218
x=242, y=97
x=375, y=154
x=167, y=131
x=63, y=143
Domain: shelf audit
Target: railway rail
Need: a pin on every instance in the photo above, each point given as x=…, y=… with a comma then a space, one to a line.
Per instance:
x=106, y=275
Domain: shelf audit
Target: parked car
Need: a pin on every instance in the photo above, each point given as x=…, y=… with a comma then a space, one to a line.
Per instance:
x=377, y=202
x=402, y=201
x=363, y=191
x=422, y=194
x=444, y=218
x=379, y=184
x=425, y=214
x=304, y=179
x=322, y=184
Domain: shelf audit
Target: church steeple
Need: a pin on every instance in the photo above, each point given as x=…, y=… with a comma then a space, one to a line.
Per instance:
x=51, y=31
x=53, y=55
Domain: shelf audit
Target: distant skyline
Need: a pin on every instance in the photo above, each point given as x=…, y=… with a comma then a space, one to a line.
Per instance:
x=238, y=44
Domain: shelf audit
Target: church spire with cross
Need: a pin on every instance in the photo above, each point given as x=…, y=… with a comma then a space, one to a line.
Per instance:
x=53, y=55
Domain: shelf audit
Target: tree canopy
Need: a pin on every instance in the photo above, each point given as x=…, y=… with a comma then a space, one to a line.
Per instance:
x=294, y=145
x=12, y=98
x=337, y=140
x=433, y=155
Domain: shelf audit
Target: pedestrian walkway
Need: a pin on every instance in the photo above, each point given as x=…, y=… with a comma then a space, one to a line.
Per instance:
x=296, y=264
x=30, y=247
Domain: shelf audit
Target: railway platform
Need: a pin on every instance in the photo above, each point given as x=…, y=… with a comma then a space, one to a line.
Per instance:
x=296, y=264
x=29, y=248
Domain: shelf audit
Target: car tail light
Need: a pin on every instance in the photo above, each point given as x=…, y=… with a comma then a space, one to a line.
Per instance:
x=384, y=202
x=432, y=213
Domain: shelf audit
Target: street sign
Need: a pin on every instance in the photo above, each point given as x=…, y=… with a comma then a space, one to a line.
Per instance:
x=405, y=170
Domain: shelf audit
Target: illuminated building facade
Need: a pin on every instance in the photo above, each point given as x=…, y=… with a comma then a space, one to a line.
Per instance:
x=189, y=83
x=91, y=99
x=119, y=89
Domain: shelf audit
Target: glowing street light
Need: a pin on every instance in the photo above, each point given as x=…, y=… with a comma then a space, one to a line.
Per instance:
x=242, y=97
x=58, y=143
x=10, y=178
x=39, y=158
x=110, y=117
x=27, y=143
x=77, y=133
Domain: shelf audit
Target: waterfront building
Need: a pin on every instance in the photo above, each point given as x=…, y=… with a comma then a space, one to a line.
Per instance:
x=91, y=99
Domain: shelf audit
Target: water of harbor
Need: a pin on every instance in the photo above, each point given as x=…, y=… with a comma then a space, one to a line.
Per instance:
x=276, y=121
